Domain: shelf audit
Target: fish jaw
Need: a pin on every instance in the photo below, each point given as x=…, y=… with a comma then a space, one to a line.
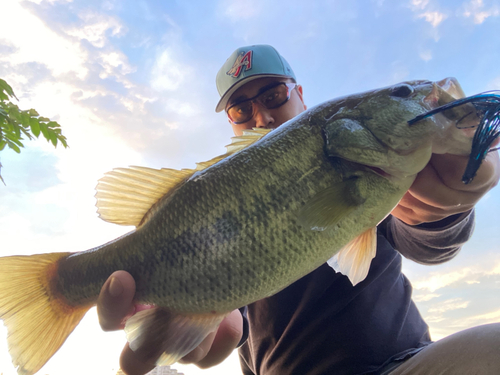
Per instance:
x=380, y=120
x=456, y=126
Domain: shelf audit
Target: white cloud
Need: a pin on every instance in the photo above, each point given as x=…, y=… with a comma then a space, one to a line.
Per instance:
x=468, y=275
x=241, y=10
x=448, y=305
x=95, y=28
x=419, y=4
x=115, y=64
x=428, y=12
x=167, y=73
x=426, y=55
x=440, y=281
x=434, y=18
x=36, y=42
x=50, y=1
x=489, y=317
x=425, y=297
x=475, y=9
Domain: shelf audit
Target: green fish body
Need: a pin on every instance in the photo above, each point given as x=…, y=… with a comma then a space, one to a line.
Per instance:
x=242, y=226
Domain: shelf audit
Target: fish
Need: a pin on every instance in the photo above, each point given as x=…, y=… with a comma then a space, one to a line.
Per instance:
x=239, y=227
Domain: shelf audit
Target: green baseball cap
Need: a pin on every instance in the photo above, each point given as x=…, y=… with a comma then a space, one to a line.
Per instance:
x=246, y=64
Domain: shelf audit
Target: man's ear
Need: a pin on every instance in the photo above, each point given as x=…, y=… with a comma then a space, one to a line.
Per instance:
x=301, y=95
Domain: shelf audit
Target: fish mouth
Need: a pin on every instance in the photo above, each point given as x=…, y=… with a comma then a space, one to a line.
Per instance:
x=446, y=91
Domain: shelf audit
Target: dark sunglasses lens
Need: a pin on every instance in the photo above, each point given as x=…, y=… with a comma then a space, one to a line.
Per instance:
x=271, y=98
x=274, y=97
x=241, y=112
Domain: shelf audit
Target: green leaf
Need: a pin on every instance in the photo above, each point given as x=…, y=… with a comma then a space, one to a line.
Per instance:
x=13, y=138
x=53, y=124
x=62, y=138
x=6, y=87
x=17, y=130
x=35, y=127
x=33, y=113
x=53, y=138
x=43, y=129
x=14, y=147
x=24, y=118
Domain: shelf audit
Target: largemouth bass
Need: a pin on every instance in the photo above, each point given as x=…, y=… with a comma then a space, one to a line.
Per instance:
x=240, y=227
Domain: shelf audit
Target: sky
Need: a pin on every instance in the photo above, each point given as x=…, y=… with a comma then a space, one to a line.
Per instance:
x=132, y=82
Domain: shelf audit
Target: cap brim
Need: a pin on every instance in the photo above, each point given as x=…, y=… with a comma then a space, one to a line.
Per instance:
x=225, y=98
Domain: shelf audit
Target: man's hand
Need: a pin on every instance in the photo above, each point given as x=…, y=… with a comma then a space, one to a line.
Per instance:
x=115, y=305
x=438, y=190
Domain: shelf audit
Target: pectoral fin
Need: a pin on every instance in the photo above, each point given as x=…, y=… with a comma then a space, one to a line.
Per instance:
x=330, y=206
x=161, y=336
x=354, y=259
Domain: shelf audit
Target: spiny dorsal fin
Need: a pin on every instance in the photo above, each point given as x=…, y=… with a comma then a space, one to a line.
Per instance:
x=354, y=259
x=245, y=140
x=237, y=143
x=125, y=195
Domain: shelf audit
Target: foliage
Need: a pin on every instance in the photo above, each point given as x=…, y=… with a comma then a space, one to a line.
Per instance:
x=16, y=123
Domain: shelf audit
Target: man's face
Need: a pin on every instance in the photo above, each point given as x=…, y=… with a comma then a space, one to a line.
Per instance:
x=263, y=117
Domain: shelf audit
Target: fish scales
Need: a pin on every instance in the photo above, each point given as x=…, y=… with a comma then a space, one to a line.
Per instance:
x=193, y=254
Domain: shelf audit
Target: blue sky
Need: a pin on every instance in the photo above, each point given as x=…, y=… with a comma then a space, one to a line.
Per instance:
x=133, y=83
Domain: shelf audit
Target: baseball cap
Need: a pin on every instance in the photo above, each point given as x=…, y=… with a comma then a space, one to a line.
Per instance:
x=246, y=64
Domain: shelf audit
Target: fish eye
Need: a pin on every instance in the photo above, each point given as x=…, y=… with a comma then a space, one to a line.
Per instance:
x=402, y=91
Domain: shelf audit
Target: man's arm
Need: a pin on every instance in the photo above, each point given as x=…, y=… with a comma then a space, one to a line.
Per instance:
x=115, y=305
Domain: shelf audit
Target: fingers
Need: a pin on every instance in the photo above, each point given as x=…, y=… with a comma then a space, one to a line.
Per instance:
x=450, y=169
x=438, y=191
x=114, y=304
x=200, y=351
x=227, y=338
x=213, y=350
x=131, y=364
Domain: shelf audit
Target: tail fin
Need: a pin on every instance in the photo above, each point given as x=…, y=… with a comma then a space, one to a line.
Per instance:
x=37, y=318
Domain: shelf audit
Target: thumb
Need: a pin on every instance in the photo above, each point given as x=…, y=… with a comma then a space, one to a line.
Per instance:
x=115, y=302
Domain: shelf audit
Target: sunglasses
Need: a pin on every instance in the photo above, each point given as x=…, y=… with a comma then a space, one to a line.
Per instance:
x=273, y=97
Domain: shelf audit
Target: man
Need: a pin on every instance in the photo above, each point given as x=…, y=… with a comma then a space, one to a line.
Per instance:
x=321, y=324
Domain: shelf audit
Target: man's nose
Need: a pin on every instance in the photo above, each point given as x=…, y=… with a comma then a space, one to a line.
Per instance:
x=262, y=116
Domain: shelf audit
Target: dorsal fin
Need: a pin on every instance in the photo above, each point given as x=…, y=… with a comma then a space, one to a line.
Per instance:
x=125, y=195
x=249, y=136
x=237, y=143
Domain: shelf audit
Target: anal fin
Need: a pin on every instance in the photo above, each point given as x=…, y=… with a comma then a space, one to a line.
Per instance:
x=161, y=336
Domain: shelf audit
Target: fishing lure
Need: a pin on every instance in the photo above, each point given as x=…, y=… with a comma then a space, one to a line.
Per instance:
x=487, y=106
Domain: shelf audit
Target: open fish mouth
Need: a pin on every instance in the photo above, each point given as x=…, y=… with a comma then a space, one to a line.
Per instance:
x=480, y=113
x=445, y=92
